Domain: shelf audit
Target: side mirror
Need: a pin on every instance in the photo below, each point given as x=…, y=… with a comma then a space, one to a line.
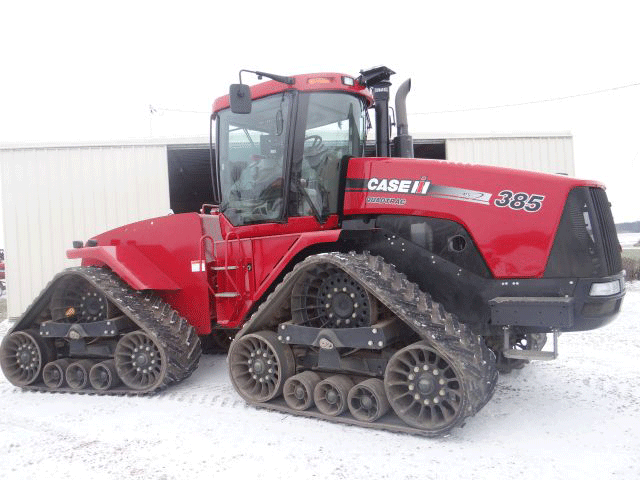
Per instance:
x=240, y=98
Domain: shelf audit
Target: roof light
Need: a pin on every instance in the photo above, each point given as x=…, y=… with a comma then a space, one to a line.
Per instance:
x=348, y=81
x=605, y=289
x=316, y=80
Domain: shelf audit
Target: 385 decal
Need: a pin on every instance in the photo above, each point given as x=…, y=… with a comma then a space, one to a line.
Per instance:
x=519, y=201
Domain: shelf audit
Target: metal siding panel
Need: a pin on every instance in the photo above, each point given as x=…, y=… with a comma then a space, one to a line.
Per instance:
x=543, y=154
x=52, y=196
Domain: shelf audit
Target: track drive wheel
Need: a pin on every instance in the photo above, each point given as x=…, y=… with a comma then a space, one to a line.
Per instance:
x=328, y=297
x=75, y=300
x=425, y=388
x=139, y=361
x=23, y=354
x=259, y=366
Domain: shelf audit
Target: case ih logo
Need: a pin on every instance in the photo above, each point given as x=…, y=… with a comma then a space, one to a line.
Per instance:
x=394, y=185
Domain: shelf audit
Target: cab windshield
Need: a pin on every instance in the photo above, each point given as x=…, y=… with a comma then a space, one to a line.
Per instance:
x=334, y=127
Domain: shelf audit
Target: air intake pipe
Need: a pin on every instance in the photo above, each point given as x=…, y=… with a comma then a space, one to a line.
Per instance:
x=403, y=143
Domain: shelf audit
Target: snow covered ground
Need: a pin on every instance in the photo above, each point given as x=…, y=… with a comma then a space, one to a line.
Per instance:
x=628, y=239
x=576, y=417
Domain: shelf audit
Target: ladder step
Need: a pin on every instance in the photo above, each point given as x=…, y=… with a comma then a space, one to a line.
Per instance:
x=227, y=294
x=230, y=267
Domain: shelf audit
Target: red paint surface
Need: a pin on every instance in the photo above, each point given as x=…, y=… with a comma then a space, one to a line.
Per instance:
x=156, y=254
x=303, y=83
x=268, y=249
x=514, y=243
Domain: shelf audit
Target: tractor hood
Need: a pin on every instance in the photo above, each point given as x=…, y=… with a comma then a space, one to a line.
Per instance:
x=511, y=214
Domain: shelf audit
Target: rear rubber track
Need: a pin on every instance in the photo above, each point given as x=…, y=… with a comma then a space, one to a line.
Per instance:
x=171, y=332
x=412, y=306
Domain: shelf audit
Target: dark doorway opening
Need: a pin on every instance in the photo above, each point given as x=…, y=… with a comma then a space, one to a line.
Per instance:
x=190, y=183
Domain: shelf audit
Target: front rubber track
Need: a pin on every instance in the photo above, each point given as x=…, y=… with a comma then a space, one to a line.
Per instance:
x=171, y=332
x=412, y=306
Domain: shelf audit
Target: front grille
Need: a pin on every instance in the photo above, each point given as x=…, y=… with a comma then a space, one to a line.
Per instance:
x=586, y=244
x=607, y=230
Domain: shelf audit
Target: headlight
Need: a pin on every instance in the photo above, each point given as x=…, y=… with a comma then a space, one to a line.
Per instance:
x=605, y=289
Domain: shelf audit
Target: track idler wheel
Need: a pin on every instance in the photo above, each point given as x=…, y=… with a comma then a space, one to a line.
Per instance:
x=368, y=400
x=259, y=366
x=23, y=355
x=139, y=361
x=298, y=390
x=425, y=388
x=104, y=376
x=77, y=374
x=331, y=395
x=54, y=373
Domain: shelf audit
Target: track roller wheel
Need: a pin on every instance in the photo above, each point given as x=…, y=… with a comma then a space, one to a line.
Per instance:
x=368, y=400
x=104, y=376
x=298, y=390
x=139, y=361
x=54, y=372
x=259, y=366
x=425, y=388
x=77, y=374
x=23, y=355
x=331, y=394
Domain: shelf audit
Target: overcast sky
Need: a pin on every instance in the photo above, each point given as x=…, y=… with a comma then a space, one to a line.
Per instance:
x=89, y=70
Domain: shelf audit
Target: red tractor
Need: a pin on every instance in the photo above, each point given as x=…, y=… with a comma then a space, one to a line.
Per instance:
x=385, y=292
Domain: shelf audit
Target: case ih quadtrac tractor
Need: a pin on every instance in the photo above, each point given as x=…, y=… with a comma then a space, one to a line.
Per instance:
x=385, y=292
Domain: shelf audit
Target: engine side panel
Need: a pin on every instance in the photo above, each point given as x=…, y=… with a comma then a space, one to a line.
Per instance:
x=512, y=215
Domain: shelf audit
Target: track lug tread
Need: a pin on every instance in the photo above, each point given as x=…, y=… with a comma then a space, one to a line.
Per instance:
x=415, y=308
x=149, y=312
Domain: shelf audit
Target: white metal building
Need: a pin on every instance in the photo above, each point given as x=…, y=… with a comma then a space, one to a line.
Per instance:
x=54, y=194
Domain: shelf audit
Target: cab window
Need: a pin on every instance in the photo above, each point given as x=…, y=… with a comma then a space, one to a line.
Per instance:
x=251, y=153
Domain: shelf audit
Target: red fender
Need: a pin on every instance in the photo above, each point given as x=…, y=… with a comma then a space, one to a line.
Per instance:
x=128, y=263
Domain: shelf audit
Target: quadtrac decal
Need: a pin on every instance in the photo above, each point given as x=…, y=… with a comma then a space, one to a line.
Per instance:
x=421, y=187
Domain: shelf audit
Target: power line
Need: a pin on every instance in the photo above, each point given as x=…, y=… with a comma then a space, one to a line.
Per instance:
x=554, y=99
x=471, y=109
x=153, y=109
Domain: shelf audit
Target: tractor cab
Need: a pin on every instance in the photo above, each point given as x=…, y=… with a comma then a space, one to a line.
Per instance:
x=280, y=153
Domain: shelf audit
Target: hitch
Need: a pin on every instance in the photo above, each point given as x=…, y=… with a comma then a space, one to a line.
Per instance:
x=509, y=352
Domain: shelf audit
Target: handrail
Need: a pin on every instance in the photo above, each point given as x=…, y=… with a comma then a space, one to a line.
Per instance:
x=203, y=260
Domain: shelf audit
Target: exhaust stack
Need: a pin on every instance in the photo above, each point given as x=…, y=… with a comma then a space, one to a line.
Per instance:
x=377, y=79
x=403, y=143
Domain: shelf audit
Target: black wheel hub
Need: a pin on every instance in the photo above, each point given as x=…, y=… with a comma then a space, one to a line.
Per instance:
x=25, y=355
x=366, y=402
x=332, y=397
x=76, y=301
x=330, y=298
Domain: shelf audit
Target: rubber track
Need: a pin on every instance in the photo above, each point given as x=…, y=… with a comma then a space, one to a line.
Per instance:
x=414, y=307
x=171, y=332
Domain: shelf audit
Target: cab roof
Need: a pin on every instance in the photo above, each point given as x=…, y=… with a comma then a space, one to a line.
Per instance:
x=312, y=82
